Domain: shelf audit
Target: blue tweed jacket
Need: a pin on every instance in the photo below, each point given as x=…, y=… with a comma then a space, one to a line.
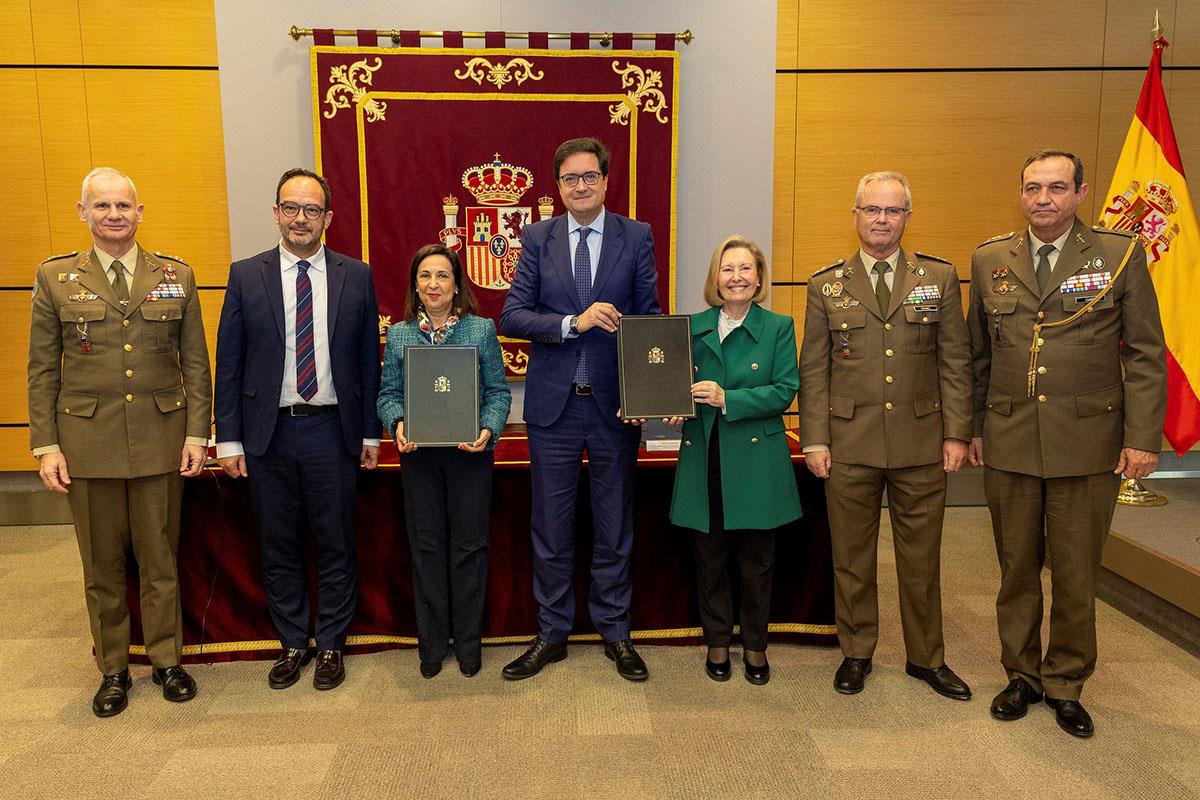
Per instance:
x=494, y=395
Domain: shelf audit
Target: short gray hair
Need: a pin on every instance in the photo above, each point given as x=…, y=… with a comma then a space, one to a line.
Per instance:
x=871, y=177
x=107, y=172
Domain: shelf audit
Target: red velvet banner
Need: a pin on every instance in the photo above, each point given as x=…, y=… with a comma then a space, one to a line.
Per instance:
x=457, y=145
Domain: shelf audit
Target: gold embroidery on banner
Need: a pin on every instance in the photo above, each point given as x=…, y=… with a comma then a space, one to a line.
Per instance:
x=480, y=69
x=644, y=93
x=516, y=362
x=348, y=86
x=385, y=322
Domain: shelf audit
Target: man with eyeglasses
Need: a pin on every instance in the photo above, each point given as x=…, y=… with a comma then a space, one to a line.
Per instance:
x=1070, y=392
x=119, y=409
x=578, y=274
x=297, y=375
x=885, y=403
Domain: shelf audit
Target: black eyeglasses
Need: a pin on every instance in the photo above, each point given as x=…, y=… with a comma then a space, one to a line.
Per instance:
x=891, y=212
x=292, y=209
x=571, y=179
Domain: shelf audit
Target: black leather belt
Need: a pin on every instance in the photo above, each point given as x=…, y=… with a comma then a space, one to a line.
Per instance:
x=301, y=410
x=584, y=390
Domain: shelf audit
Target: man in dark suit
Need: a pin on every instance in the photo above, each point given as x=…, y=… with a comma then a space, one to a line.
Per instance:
x=578, y=274
x=1070, y=392
x=297, y=377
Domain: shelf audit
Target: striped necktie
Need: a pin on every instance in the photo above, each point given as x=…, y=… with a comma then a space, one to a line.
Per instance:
x=306, y=362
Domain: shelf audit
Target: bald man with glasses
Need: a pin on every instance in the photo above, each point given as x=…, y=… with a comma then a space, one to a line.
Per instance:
x=885, y=403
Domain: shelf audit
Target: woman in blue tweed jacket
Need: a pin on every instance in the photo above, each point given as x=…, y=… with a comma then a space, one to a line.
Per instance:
x=447, y=491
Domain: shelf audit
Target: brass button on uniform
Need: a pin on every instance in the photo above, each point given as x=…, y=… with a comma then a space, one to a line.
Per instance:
x=1041, y=398
x=128, y=373
x=753, y=440
x=66, y=411
x=179, y=403
x=888, y=406
x=937, y=405
x=80, y=319
x=164, y=316
x=128, y=398
x=889, y=352
x=924, y=319
x=1110, y=408
x=1041, y=341
x=844, y=325
x=124, y=323
x=1041, y=370
x=1041, y=315
x=888, y=378
x=753, y=366
x=128, y=348
x=887, y=326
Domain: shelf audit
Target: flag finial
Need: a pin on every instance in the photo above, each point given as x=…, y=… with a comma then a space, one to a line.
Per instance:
x=1157, y=29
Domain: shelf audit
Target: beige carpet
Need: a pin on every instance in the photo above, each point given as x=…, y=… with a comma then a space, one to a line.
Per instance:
x=579, y=731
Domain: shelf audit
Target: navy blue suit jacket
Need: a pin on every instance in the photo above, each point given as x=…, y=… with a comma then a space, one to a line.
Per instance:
x=543, y=292
x=250, y=350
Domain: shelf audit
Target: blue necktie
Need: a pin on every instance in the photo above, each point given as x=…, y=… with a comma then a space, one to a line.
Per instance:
x=583, y=287
x=306, y=361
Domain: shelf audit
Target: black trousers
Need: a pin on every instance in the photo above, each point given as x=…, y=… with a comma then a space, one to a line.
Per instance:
x=307, y=477
x=717, y=551
x=447, y=497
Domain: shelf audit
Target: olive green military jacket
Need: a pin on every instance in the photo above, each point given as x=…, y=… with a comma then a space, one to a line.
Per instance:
x=1101, y=382
x=756, y=367
x=885, y=389
x=118, y=388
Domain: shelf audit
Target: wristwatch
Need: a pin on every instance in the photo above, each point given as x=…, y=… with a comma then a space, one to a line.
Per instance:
x=573, y=325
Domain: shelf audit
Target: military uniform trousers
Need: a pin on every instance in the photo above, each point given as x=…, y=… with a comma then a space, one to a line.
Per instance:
x=447, y=503
x=112, y=514
x=1070, y=516
x=916, y=505
x=717, y=552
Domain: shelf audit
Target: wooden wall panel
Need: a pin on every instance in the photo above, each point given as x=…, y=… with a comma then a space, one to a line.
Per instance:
x=174, y=32
x=177, y=161
x=862, y=34
x=783, y=232
x=1183, y=32
x=14, y=450
x=210, y=308
x=953, y=135
x=787, y=34
x=56, y=31
x=1127, y=36
x=18, y=32
x=14, y=354
x=62, y=104
x=27, y=240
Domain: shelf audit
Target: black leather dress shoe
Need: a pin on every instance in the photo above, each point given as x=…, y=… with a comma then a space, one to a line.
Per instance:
x=1072, y=717
x=1015, y=700
x=757, y=675
x=469, y=668
x=330, y=671
x=629, y=664
x=113, y=694
x=430, y=669
x=177, y=685
x=719, y=672
x=530, y=663
x=943, y=680
x=286, y=669
x=851, y=675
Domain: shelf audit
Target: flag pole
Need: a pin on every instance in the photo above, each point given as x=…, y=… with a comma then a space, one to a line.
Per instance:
x=1132, y=492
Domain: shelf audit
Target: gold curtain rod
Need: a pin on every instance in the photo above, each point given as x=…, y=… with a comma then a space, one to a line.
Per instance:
x=605, y=39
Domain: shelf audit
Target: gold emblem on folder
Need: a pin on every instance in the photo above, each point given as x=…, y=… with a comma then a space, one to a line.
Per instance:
x=442, y=384
x=656, y=356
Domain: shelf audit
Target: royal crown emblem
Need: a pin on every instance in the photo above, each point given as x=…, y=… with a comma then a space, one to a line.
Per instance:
x=1146, y=211
x=491, y=230
x=656, y=356
x=441, y=384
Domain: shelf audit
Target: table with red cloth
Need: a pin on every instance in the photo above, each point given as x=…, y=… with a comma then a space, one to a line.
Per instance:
x=225, y=608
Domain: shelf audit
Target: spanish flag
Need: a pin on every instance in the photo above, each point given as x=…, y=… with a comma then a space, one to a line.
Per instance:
x=1149, y=196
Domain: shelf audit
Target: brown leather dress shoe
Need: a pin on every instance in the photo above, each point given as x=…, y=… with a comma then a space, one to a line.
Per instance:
x=530, y=663
x=1014, y=701
x=852, y=675
x=629, y=664
x=331, y=671
x=113, y=694
x=1072, y=717
x=942, y=680
x=177, y=685
x=286, y=669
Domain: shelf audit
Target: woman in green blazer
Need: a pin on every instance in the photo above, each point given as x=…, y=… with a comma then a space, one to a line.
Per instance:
x=447, y=491
x=735, y=484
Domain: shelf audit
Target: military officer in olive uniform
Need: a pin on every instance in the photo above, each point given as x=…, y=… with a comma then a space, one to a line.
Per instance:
x=885, y=401
x=120, y=405
x=1060, y=413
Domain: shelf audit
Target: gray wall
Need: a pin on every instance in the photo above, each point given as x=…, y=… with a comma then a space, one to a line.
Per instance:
x=726, y=104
